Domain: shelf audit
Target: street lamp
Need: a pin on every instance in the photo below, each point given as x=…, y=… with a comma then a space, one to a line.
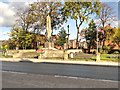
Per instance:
x=98, y=54
x=68, y=36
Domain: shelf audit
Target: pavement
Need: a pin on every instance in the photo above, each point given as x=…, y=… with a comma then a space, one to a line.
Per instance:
x=96, y=63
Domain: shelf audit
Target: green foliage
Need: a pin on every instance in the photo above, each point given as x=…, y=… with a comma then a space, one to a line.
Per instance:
x=4, y=47
x=90, y=35
x=32, y=21
x=20, y=37
x=40, y=47
x=116, y=37
x=80, y=12
x=107, y=49
x=108, y=57
x=116, y=52
x=62, y=37
x=40, y=10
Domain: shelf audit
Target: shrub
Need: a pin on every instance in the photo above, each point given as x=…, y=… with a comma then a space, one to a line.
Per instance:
x=116, y=52
x=107, y=49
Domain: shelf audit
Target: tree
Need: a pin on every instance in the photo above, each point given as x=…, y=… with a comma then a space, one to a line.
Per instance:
x=20, y=37
x=110, y=31
x=33, y=20
x=106, y=16
x=80, y=12
x=4, y=47
x=20, y=33
x=41, y=10
x=62, y=37
x=11, y=44
x=116, y=37
x=90, y=35
x=24, y=19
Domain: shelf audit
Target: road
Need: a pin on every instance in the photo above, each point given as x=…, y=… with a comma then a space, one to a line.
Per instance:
x=27, y=80
x=82, y=71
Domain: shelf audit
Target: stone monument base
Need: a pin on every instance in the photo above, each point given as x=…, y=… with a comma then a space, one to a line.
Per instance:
x=51, y=53
x=49, y=45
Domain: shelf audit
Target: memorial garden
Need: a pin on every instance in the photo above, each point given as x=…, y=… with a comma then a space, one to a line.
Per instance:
x=33, y=34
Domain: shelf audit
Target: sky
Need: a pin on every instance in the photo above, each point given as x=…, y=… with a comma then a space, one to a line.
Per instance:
x=8, y=9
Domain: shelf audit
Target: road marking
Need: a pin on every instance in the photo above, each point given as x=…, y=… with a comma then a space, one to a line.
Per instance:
x=84, y=78
x=14, y=72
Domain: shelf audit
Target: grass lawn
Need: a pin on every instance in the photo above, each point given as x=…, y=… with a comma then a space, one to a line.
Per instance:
x=79, y=57
x=103, y=57
x=110, y=57
x=3, y=56
x=84, y=57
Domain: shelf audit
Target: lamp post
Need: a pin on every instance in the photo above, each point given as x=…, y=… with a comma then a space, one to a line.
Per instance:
x=98, y=54
x=68, y=36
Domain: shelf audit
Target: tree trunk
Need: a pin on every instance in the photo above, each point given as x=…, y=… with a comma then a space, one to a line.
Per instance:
x=77, y=34
x=89, y=48
x=78, y=26
x=103, y=46
x=77, y=37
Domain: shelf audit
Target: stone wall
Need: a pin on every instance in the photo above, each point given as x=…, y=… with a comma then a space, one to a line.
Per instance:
x=18, y=53
x=30, y=53
x=30, y=50
x=53, y=53
x=74, y=50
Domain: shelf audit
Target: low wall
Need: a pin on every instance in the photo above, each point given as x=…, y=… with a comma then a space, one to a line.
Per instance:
x=53, y=53
x=30, y=50
x=12, y=52
x=33, y=53
x=73, y=50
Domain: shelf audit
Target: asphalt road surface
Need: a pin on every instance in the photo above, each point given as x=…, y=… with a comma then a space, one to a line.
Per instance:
x=27, y=80
x=82, y=71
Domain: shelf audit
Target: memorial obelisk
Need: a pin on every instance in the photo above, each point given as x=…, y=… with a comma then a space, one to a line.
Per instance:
x=49, y=32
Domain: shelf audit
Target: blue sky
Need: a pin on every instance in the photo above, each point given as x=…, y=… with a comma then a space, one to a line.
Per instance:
x=6, y=29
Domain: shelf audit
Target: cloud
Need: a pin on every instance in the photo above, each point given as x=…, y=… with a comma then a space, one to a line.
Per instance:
x=22, y=0
x=115, y=23
x=109, y=0
x=8, y=12
x=1, y=19
x=7, y=15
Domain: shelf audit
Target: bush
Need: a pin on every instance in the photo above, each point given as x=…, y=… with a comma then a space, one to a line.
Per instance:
x=40, y=47
x=107, y=49
x=116, y=52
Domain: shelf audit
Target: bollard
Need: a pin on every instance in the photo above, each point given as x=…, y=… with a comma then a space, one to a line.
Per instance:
x=71, y=55
x=98, y=57
x=65, y=55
